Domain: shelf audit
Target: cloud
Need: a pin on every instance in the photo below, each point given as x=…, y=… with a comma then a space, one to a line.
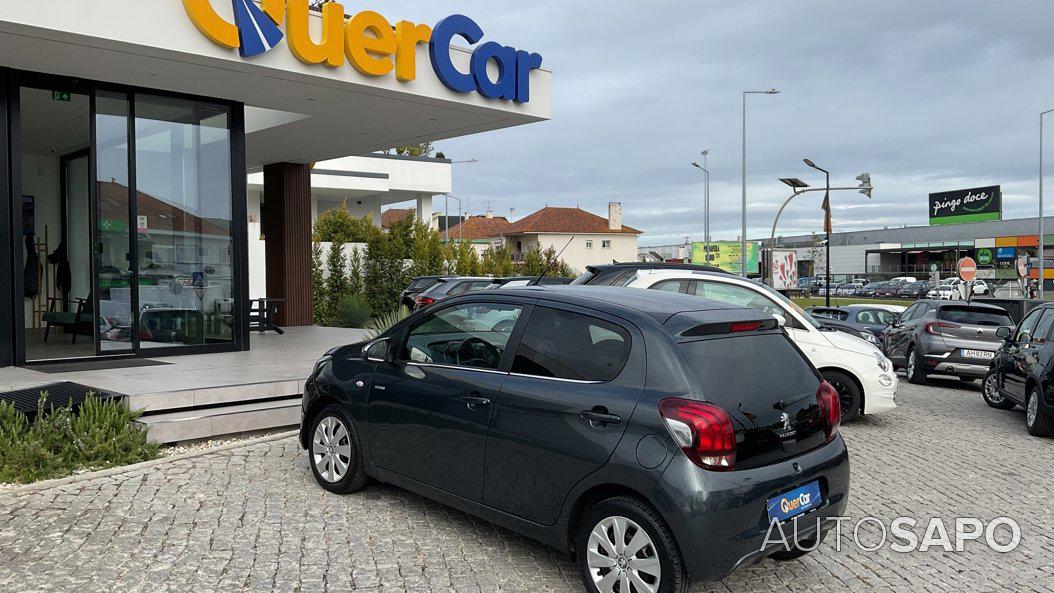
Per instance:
x=926, y=96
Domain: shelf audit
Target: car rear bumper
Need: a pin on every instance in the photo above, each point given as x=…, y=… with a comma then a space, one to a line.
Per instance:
x=953, y=363
x=720, y=519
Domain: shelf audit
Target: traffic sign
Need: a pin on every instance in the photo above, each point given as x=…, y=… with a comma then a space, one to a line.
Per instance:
x=967, y=269
x=1022, y=266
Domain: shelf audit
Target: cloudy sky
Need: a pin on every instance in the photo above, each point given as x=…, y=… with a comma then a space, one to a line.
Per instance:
x=926, y=96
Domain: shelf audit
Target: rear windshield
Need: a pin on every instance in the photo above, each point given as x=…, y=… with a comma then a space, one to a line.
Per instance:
x=973, y=316
x=422, y=283
x=750, y=371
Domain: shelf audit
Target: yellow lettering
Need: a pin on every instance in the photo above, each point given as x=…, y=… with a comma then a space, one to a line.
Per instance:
x=407, y=36
x=330, y=51
x=275, y=9
x=370, y=54
x=212, y=24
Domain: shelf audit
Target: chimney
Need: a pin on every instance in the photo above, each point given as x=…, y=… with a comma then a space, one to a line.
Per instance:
x=615, y=216
x=490, y=213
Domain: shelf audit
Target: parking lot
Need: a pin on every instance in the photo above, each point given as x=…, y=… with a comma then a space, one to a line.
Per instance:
x=252, y=518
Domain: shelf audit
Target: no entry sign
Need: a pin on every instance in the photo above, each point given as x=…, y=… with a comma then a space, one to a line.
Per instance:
x=967, y=269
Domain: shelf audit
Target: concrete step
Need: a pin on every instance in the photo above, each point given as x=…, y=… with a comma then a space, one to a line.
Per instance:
x=214, y=396
x=187, y=425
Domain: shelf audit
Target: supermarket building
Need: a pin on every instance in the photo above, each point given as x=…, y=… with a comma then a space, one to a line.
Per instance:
x=127, y=131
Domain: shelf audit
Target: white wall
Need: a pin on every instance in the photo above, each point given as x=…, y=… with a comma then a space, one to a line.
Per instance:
x=41, y=179
x=577, y=255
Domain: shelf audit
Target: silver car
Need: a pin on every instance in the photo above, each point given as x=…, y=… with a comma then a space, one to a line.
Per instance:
x=945, y=338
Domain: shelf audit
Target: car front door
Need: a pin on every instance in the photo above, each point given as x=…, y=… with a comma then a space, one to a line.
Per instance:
x=1021, y=354
x=428, y=411
x=898, y=332
x=574, y=382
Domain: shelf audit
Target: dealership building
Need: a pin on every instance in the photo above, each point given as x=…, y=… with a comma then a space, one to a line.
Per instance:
x=128, y=130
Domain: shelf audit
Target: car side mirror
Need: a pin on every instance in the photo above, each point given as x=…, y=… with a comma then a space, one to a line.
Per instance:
x=376, y=351
x=1024, y=338
x=780, y=319
x=1004, y=332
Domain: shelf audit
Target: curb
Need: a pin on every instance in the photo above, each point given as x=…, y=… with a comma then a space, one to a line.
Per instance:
x=113, y=471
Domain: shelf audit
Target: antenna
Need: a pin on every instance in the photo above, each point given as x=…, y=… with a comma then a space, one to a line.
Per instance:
x=555, y=259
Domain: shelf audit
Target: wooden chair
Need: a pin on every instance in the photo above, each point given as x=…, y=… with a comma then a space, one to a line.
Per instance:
x=262, y=313
x=79, y=321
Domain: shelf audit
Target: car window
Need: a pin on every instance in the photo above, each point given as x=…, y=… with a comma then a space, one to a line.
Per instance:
x=974, y=316
x=668, y=286
x=735, y=295
x=910, y=313
x=875, y=316
x=422, y=283
x=1042, y=332
x=471, y=335
x=568, y=345
x=1028, y=324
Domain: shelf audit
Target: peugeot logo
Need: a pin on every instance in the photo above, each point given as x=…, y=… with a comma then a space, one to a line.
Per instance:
x=786, y=420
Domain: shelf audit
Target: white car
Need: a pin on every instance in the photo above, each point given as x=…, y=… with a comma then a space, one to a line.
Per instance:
x=861, y=373
x=948, y=289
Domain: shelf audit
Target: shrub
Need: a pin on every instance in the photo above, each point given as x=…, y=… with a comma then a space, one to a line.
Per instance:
x=338, y=225
x=385, y=273
x=350, y=311
x=59, y=440
x=336, y=278
x=318, y=286
x=385, y=322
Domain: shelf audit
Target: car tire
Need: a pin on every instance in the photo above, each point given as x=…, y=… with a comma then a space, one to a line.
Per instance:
x=596, y=543
x=796, y=552
x=850, y=396
x=334, y=443
x=990, y=393
x=914, y=371
x=1038, y=422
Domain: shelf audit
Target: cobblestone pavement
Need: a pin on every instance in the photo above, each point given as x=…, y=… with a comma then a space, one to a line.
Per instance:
x=252, y=519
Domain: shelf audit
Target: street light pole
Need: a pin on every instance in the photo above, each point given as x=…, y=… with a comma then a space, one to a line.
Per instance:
x=706, y=206
x=1041, y=243
x=827, y=228
x=743, y=236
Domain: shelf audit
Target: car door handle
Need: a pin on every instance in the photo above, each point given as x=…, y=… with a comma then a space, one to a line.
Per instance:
x=474, y=402
x=600, y=418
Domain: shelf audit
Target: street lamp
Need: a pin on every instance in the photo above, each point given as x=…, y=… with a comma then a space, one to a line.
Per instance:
x=706, y=205
x=743, y=237
x=1041, y=278
x=826, y=227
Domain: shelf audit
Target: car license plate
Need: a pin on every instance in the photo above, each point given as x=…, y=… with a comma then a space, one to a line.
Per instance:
x=794, y=503
x=986, y=355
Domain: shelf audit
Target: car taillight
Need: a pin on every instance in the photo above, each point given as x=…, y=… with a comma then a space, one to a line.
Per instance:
x=934, y=327
x=423, y=300
x=703, y=431
x=830, y=409
x=747, y=326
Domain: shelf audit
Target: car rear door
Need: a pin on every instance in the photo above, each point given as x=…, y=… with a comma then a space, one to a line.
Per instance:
x=428, y=411
x=895, y=335
x=574, y=381
x=1023, y=351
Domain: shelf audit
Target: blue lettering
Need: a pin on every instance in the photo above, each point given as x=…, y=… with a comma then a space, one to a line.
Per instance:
x=505, y=57
x=439, y=51
x=525, y=62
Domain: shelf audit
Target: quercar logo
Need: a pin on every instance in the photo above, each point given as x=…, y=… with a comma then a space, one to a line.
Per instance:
x=369, y=43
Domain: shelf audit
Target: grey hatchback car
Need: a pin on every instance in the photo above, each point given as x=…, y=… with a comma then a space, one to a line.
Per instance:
x=656, y=437
x=945, y=338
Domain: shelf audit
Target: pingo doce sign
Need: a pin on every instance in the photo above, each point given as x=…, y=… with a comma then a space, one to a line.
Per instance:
x=966, y=205
x=369, y=43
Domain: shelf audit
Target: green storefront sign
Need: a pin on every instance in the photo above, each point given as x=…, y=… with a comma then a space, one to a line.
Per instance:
x=984, y=256
x=726, y=255
x=966, y=205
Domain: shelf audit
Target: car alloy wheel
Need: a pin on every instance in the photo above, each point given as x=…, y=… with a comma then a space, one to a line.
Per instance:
x=991, y=390
x=331, y=449
x=1032, y=410
x=621, y=554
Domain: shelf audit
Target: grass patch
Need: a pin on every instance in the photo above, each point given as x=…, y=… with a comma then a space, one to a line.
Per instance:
x=58, y=441
x=820, y=301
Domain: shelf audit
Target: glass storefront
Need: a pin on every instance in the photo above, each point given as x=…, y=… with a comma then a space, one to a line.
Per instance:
x=127, y=238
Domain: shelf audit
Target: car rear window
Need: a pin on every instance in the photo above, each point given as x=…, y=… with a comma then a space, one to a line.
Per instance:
x=750, y=372
x=568, y=345
x=973, y=316
x=422, y=283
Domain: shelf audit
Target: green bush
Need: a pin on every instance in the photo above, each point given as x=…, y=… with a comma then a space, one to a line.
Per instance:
x=100, y=433
x=351, y=311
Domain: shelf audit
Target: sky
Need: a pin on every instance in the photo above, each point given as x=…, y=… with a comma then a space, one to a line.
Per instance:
x=926, y=96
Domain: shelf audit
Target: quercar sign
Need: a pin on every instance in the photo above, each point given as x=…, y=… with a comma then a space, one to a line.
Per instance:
x=966, y=205
x=369, y=43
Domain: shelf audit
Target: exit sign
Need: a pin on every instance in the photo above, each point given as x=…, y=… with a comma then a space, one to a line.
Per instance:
x=60, y=96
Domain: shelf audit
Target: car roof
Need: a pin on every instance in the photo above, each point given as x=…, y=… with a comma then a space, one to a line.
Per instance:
x=654, y=266
x=978, y=304
x=628, y=302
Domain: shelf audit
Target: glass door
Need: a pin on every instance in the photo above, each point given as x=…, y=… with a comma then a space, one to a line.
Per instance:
x=114, y=248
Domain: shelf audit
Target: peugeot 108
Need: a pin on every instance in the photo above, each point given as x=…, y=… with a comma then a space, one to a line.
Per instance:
x=658, y=438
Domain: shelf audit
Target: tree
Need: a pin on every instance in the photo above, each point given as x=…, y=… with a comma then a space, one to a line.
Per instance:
x=533, y=262
x=385, y=273
x=318, y=286
x=426, y=251
x=423, y=149
x=355, y=271
x=497, y=261
x=338, y=224
x=336, y=281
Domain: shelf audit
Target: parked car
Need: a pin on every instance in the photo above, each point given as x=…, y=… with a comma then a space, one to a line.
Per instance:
x=859, y=371
x=623, y=273
x=450, y=286
x=1020, y=374
x=945, y=338
x=871, y=319
x=868, y=290
x=943, y=291
x=418, y=285
x=563, y=427
x=914, y=290
x=903, y=279
x=980, y=287
x=888, y=289
x=850, y=328
x=849, y=289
